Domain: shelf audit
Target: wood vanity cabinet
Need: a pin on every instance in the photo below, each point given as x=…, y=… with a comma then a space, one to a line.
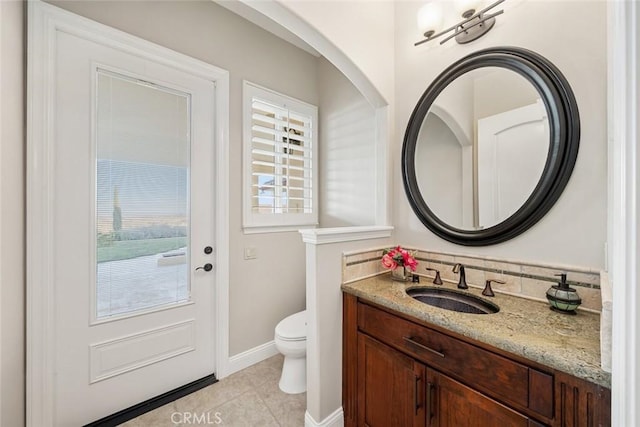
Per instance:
x=388, y=376
x=398, y=372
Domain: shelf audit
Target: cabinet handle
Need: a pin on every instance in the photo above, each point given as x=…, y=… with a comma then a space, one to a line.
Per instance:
x=416, y=401
x=422, y=346
x=429, y=403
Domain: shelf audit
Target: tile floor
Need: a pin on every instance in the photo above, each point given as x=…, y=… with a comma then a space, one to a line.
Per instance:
x=249, y=398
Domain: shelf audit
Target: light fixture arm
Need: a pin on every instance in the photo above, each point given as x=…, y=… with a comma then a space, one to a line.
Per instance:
x=460, y=29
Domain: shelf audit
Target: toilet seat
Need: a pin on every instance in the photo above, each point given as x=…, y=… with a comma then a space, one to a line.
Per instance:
x=293, y=328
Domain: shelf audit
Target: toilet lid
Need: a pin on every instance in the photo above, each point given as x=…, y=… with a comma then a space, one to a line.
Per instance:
x=293, y=328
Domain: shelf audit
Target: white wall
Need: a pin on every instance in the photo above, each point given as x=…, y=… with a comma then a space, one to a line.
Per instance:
x=574, y=231
x=362, y=29
x=452, y=100
x=324, y=310
x=446, y=188
x=515, y=91
x=12, y=338
x=347, y=131
x=264, y=290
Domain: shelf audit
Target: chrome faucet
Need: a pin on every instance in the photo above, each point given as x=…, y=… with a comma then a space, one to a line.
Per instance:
x=462, y=283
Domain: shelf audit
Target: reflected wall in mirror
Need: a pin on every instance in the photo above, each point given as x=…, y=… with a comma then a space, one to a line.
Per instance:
x=490, y=146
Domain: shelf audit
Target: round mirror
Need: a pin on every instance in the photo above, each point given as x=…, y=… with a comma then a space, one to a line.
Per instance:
x=490, y=146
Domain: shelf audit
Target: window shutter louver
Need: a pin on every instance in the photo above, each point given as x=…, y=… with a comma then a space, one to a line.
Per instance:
x=280, y=155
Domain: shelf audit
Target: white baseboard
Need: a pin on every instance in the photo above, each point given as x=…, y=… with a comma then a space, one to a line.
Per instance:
x=336, y=419
x=250, y=357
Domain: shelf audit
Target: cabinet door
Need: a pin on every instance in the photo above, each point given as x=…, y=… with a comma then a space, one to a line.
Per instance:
x=581, y=403
x=452, y=404
x=391, y=386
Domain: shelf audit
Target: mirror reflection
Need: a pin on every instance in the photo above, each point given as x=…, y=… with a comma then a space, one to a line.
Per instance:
x=482, y=148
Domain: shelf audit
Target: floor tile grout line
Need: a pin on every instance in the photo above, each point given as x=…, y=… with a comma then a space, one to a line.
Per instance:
x=263, y=392
x=244, y=381
x=209, y=409
x=251, y=387
x=276, y=419
x=251, y=390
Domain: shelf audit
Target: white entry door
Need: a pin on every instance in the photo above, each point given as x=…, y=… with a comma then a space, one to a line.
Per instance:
x=131, y=197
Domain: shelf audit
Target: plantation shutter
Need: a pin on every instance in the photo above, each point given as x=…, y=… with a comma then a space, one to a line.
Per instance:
x=281, y=159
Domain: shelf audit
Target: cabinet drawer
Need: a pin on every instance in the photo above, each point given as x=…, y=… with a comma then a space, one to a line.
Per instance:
x=493, y=374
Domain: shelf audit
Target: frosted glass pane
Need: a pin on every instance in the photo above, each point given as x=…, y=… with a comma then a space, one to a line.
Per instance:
x=142, y=196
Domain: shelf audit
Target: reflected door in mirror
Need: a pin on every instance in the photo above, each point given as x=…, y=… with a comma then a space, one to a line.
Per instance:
x=511, y=159
x=481, y=152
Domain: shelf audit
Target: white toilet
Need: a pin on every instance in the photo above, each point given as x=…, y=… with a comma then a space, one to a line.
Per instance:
x=291, y=341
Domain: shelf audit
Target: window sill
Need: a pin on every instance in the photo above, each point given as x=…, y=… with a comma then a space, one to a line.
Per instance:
x=277, y=228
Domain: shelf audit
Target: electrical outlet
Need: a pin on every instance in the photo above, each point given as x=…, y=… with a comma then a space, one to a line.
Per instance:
x=250, y=253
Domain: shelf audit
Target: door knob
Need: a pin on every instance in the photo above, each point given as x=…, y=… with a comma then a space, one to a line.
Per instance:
x=206, y=267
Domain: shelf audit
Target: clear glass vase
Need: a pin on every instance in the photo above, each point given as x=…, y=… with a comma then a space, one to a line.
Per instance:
x=401, y=274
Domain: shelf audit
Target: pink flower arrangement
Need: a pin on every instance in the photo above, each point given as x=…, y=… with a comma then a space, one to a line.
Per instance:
x=398, y=257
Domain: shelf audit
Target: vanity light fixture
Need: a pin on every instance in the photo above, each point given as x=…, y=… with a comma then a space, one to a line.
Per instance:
x=473, y=26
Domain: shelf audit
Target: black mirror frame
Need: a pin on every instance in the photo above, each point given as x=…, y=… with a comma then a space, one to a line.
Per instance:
x=564, y=129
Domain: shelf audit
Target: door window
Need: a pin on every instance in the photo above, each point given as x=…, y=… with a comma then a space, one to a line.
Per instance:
x=142, y=188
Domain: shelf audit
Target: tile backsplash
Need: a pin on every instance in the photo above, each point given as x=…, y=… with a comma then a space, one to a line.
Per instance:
x=522, y=278
x=362, y=264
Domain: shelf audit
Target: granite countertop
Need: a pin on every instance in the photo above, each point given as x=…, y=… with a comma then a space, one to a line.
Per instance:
x=523, y=327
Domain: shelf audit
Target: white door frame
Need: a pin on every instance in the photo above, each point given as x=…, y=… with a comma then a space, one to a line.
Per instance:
x=624, y=206
x=44, y=21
